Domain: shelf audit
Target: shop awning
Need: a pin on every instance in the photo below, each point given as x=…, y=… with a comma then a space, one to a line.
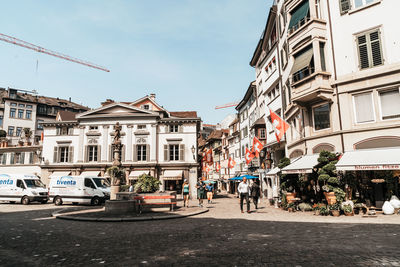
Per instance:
x=57, y=174
x=302, y=60
x=172, y=175
x=248, y=177
x=90, y=173
x=273, y=172
x=299, y=13
x=136, y=173
x=305, y=164
x=370, y=160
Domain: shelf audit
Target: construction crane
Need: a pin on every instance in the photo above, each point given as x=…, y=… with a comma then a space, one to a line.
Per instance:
x=233, y=104
x=13, y=40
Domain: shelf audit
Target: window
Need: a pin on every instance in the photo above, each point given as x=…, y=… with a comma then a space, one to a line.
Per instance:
x=141, y=127
x=360, y=3
x=173, y=152
x=262, y=133
x=21, y=105
x=318, y=9
x=64, y=130
x=322, y=56
x=13, y=104
x=29, y=106
x=10, y=130
x=3, y=158
x=12, y=158
x=12, y=112
x=1, y=120
x=92, y=153
x=245, y=132
x=243, y=151
x=39, y=124
x=89, y=183
x=299, y=16
x=390, y=104
x=345, y=6
x=146, y=107
x=364, y=108
x=64, y=153
x=93, y=128
x=20, y=113
x=141, y=152
x=173, y=128
x=42, y=109
x=321, y=117
x=20, y=158
x=237, y=153
x=303, y=64
x=369, y=49
x=30, y=157
x=19, y=130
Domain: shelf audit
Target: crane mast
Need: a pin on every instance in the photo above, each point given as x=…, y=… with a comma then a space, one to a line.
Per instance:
x=16, y=41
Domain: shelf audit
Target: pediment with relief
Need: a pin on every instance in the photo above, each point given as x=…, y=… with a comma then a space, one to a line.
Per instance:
x=116, y=110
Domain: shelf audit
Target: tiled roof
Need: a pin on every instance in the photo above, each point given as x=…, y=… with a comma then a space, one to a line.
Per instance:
x=51, y=101
x=216, y=134
x=66, y=115
x=184, y=114
x=236, y=120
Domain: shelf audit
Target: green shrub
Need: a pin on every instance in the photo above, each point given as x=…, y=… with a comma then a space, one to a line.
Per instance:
x=147, y=184
x=305, y=207
x=347, y=208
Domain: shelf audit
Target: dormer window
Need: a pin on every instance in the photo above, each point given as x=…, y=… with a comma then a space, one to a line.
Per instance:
x=141, y=127
x=93, y=128
x=147, y=107
x=174, y=128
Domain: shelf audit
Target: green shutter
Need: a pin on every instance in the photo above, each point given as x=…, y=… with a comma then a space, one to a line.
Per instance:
x=299, y=14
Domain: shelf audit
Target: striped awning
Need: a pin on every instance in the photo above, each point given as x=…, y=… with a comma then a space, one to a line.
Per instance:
x=172, y=175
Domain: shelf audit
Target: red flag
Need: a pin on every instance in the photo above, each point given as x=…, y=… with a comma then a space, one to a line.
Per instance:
x=248, y=156
x=257, y=146
x=280, y=126
x=209, y=156
x=42, y=136
x=217, y=167
x=231, y=163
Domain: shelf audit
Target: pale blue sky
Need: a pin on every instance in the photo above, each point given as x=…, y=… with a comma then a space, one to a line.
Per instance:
x=194, y=54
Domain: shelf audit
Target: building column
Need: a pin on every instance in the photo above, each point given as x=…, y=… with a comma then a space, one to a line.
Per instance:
x=317, y=55
x=153, y=143
x=104, y=154
x=129, y=143
x=193, y=181
x=81, y=145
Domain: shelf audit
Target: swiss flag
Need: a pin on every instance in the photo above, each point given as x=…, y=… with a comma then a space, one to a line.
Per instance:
x=280, y=126
x=257, y=146
x=248, y=156
x=231, y=163
x=209, y=156
x=217, y=167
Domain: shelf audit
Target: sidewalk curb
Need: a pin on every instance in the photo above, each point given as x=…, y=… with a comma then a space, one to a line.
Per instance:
x=59, y=215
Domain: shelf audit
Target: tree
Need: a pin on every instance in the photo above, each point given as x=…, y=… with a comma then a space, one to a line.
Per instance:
x=147, y=184
x=327, y=174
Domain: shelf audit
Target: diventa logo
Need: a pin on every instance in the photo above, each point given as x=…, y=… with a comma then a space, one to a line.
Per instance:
x=66, y=180
x=5, y=180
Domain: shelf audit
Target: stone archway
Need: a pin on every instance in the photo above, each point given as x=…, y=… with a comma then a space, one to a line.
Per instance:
x=378, y=142
x=296, y=153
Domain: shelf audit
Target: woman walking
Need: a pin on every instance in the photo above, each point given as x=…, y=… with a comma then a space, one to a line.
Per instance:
x=255, y=192
x=185, y=193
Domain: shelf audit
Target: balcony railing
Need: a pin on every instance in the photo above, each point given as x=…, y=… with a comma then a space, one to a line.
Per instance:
x=303, y=73
x=298, y=25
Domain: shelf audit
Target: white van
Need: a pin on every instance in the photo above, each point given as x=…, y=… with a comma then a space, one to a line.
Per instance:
x=78, y=189
x=22, y=188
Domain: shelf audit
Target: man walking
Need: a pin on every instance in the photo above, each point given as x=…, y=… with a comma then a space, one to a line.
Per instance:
x=244, y=191
x=200, y=192
x=255, y=192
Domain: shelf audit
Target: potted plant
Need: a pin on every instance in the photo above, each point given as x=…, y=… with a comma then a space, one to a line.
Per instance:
x=358, y=207
x=317, y=208
x=334, y=209
x=324, y=211
x=305, y=207
x=348, y=210
x=28, y=135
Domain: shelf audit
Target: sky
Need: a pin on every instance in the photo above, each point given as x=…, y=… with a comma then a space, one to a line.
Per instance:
x=194, y=55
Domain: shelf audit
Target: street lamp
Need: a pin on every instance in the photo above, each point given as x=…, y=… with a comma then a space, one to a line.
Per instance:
x=193, y=151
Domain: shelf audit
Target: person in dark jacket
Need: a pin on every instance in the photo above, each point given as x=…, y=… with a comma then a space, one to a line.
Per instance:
x=255, y=192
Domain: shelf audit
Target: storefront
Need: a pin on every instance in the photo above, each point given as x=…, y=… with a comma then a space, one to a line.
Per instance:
x=372, y=175
x=271, y=182
x=172, y=180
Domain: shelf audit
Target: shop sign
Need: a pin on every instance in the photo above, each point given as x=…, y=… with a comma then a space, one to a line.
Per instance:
x=376, y=167
x=296, y=171
x=378, y=181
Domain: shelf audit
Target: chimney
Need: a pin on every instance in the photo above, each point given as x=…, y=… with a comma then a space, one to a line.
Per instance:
x=218, y=127
x=107, y=102
x=69, y=99
x=153, y=97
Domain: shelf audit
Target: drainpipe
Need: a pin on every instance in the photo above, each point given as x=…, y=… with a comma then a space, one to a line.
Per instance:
x=335, y=74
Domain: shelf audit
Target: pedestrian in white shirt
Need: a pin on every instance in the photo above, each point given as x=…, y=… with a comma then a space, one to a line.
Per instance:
x=244, y=191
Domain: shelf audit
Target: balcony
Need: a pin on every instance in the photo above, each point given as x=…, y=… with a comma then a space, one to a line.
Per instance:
x=308, y=85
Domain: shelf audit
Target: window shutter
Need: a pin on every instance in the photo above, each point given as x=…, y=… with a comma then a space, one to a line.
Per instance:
x=22, y=158
x=55, y=155
x=71, y=154
x=182, y=152
x=147, y=152
x=110, y=154
x=166, y=153
x=70, y=131
x=12, y=158
x=99, y=153
x=123, y=154
x=135, y=150
x=363, y=51
x=180, y=128
x=86, y=154
x=167, y=128
x=345, y=6
x=58, y=131
x=376, y=50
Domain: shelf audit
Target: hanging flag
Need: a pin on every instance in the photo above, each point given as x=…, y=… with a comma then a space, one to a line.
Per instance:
x=280, y=126
x=209, y=156
x=257, y=147
x=217, y=167
x=42, y=136
x=248, y=156
x=231, y=163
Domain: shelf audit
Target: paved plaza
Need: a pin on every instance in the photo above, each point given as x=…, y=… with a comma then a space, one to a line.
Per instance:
x=221, y=237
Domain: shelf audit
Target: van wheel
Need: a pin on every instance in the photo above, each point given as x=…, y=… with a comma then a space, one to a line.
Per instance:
x=95, y=201
x=25, y=200
x=58, y=201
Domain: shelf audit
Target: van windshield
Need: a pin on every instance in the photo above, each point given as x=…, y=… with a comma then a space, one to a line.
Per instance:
x=32, y=183
x=101, y=182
